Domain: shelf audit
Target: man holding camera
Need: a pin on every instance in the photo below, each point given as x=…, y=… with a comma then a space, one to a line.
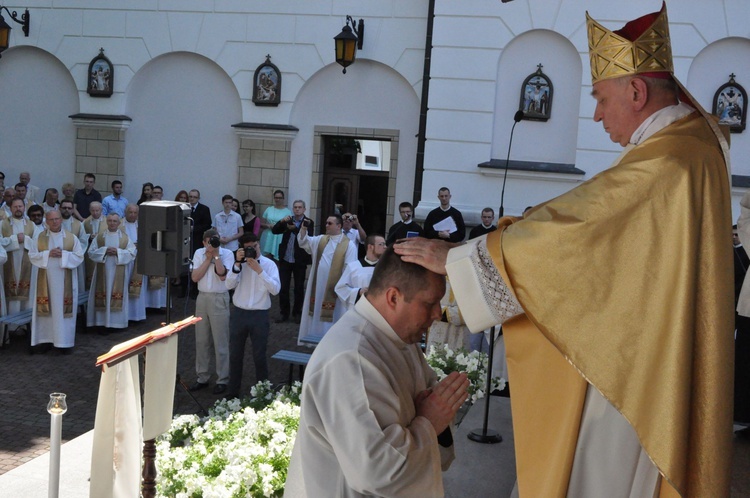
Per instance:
x=330, y=254
x=293, y=260
x=353, y=230
x=254, y=279
x=210, y=266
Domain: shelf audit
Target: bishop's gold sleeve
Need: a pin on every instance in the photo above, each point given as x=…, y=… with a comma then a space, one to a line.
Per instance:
x=483, y=297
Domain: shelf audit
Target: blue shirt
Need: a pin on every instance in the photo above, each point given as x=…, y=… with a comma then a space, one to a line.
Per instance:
x=112, y=205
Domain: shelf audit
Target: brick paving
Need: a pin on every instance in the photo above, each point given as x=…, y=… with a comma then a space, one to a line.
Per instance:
x=27, y=380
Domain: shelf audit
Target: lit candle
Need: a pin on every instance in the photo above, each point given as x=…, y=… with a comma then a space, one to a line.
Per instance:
x=56, y=408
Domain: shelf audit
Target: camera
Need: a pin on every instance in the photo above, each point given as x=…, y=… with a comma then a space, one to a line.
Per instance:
x=214, y=241
x=250, y=253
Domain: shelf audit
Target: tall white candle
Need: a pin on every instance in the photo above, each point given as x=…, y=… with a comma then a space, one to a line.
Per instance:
x=55, y=438
x=56, y=407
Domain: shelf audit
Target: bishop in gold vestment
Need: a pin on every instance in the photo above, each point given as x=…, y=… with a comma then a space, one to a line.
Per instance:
x=617, y=297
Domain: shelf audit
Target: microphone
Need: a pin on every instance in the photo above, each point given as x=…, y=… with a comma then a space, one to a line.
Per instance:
x=517, y=117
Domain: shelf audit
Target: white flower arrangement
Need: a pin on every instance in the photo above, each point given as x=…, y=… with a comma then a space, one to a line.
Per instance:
x=242, y=448
x=444, y=360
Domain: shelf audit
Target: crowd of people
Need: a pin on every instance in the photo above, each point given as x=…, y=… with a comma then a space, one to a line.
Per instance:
x=276, y=249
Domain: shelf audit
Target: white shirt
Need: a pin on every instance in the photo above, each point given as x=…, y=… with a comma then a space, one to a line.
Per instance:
x=252, y=290
x=228, y=225
x=353, y=235
x=210, y=282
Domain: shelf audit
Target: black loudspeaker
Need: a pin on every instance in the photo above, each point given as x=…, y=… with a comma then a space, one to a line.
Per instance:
x=163, y=238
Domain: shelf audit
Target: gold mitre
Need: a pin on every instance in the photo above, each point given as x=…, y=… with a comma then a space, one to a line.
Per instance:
x=641, y=46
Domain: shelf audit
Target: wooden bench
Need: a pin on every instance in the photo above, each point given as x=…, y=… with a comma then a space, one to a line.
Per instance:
x=23, y=318
x=293, y=358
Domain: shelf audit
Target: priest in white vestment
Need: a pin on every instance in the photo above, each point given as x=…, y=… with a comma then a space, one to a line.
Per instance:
x=17, y=269
x=330, y=254
x=112, y=250
x=356, y=277
x=137, y=290
x=35, y=214
x=374, y=420
x=72, y=225
x=56, y=254
x=3, y=305
x=93, y=224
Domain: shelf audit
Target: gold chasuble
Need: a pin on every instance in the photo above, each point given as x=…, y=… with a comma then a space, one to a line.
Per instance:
x=338, y=261
x=42, y=287
x=17, y=290
x=100, y=294
x=626, y=282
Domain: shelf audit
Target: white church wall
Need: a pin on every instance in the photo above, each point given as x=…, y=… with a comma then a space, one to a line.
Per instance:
x=236, y=35
x=34, y=83
x=553, y=140
x=709, y=70
x=181, y=137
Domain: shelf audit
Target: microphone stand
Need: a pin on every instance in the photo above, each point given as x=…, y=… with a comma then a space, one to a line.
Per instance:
x=516, y=118
x=485, y=435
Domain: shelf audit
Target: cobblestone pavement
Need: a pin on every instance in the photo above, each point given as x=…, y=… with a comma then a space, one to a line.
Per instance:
x=27, y=380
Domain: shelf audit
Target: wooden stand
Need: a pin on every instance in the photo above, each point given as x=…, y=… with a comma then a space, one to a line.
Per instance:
x=128, y=350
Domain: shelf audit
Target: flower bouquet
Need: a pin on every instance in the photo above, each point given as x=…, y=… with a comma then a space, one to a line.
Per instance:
x=444, y=360
x=242, y=448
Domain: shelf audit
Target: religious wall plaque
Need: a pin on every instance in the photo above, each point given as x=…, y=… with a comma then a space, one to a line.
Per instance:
x=730, y=105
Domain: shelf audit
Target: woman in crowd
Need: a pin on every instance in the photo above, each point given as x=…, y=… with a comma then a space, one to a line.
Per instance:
x=251, y=223
x=182, y=196
x=236, y=206
x=146, y=193
x=68, y=191
x=269, y=243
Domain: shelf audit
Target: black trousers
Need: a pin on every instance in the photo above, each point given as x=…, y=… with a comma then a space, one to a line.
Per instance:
x=286, y=272
x=243, y=324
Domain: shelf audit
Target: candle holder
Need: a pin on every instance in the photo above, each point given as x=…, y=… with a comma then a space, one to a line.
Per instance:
x=57, y=404
x=56, y=408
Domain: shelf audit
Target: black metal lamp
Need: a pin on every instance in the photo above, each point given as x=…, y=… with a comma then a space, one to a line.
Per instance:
x=348, y=41
x=5, y=28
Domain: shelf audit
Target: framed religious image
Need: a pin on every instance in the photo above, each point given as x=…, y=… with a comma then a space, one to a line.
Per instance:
x=536, y=96
x=267, y=84
x=101, y=76
x=730, y=105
